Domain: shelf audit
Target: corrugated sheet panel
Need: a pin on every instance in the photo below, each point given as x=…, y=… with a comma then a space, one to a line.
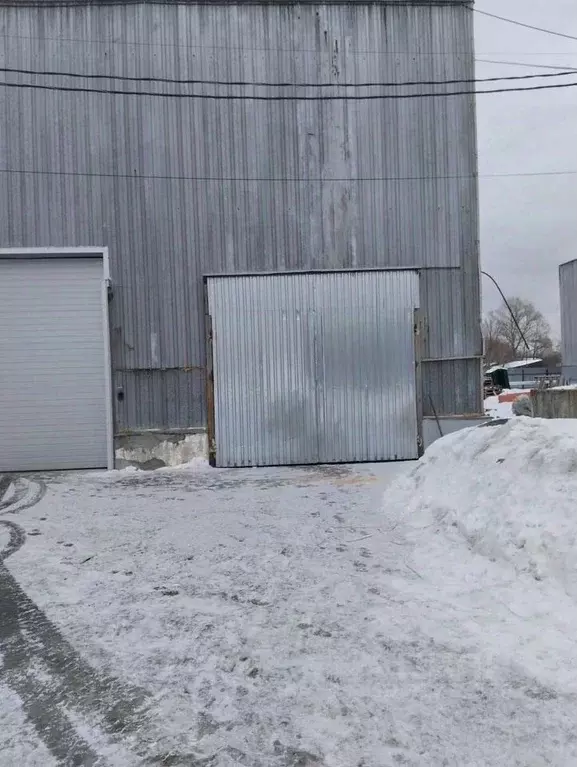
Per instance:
x=568, y=291
x=452, y=312
x=177, y=188
x=152, y=399
x=63, y=3
x=367, y=409
x=264, y=370
x=452, y=387
x=314, y=368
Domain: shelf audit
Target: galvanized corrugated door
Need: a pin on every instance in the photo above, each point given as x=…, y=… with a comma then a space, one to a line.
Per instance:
x=263, y=367
x=314, y=368
x=366, y=366
x=53, y=383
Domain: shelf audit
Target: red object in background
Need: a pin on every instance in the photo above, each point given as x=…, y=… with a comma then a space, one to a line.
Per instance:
x=512, y=396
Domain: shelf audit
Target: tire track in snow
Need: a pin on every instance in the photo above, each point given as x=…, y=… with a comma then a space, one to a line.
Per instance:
x=5, y=482
x=30, y=642
x=24, y=493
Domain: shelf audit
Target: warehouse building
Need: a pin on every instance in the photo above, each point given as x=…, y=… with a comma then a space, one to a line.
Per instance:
x=568, y=290
x=281, y=254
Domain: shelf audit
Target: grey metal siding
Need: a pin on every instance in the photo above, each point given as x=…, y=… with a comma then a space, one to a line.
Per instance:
x=64, y=3
x=178, y=188
x=53, y=393
x=568, y=291
x=452, y=348
x=452, y=314
x=314, y=368
x=452, y=387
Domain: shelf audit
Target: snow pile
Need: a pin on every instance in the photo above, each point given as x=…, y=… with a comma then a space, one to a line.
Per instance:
x=488, y=519
x=194, y=464
x=170, y=452
x=508, y=491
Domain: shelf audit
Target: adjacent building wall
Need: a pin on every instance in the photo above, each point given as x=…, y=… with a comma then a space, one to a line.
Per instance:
x=178, y=187
x=568, y=289
x=554, y=403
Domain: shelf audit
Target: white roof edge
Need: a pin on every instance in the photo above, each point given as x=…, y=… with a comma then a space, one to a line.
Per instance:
x=513, y=365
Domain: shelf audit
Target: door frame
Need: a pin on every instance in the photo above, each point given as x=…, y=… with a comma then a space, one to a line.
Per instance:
x=101, y=253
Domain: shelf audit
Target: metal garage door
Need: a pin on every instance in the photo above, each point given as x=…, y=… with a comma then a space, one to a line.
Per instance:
x=313, y=368
x=54, y=384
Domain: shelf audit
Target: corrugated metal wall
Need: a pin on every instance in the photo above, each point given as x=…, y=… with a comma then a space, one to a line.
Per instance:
x=178, y=188
x=314, y=368
x=568, y=289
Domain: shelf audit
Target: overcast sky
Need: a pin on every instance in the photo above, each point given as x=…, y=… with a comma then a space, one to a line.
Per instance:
x=528, y=225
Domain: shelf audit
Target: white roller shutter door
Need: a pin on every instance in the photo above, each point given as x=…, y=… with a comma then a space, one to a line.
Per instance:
x=54, y=386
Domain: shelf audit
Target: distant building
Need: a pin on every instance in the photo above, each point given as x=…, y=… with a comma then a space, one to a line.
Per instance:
x=173, y=265
x=524, y=374
x=568, y=290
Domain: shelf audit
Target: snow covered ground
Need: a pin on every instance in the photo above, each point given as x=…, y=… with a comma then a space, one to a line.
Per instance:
x=300, y=617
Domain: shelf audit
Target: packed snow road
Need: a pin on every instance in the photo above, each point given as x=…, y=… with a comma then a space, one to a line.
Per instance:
x=297, y=617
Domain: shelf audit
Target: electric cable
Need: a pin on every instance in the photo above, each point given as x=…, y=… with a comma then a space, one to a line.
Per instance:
x=244, y=97
x=268, y=84
x=522, y=24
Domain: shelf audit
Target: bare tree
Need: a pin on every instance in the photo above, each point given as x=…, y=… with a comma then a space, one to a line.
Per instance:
x=505, y=336
x=496, y=351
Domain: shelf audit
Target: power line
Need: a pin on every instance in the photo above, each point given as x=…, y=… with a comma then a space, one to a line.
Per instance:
x=267, y=49
x=527, y=26
x=521, y=53
x=227, y=47
x=525, y=64
x=237, y=97
x=530, y=175
x=269, y=84
x=278, y=179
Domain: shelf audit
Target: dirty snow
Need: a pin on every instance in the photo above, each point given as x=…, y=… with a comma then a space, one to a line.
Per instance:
x=495, y=409
x=324, y=616
x=156, y=452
